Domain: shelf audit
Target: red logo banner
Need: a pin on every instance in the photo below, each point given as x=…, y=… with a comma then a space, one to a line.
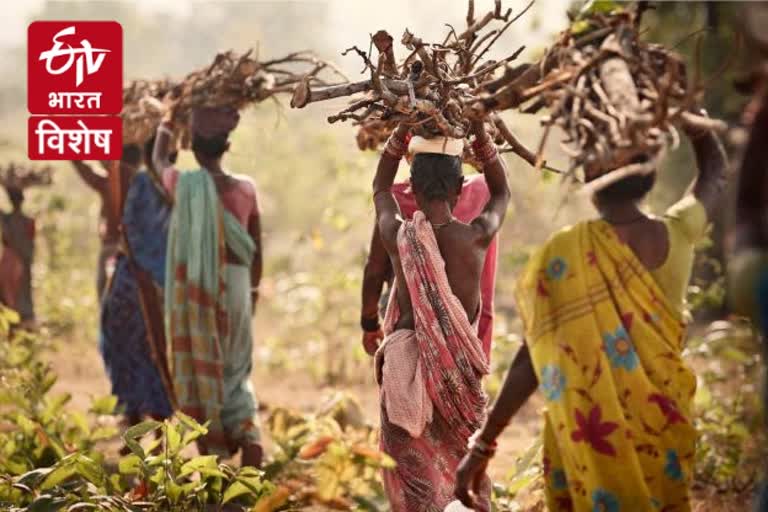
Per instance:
x=75, y=138
x=74, y=67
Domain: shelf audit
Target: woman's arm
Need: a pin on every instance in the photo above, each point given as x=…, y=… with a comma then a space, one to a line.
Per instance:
x=519, y=385
x=387, y=210
x=161, y=153
x=711, y=162
x=90, y=176
x=490, y=220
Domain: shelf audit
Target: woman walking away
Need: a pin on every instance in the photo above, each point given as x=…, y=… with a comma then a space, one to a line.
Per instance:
x=132, y=339
x=18, y=252
x=431, y=362
x=212, y=277
x=602, y=306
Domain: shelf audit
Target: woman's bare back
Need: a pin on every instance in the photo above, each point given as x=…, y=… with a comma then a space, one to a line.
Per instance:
x=464, y=258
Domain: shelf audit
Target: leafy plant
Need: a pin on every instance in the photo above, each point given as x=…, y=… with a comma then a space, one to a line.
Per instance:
x=36, y=427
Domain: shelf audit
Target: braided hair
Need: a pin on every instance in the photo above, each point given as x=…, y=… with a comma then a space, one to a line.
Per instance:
x=435, y=176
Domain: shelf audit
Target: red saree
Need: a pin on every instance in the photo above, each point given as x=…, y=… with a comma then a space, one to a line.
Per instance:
x=432, y=398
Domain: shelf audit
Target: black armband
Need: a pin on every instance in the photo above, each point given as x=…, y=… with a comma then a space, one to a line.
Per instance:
x=370, y=324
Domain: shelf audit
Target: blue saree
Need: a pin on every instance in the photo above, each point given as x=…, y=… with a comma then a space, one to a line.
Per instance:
x=134, y=351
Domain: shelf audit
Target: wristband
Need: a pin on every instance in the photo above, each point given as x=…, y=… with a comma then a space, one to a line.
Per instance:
x=370, y=324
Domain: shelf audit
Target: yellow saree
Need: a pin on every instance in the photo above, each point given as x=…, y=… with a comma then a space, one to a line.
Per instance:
x=606, y=346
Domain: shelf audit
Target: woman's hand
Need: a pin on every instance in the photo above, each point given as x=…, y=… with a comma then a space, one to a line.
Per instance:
x=469, y=479
x=371, y=341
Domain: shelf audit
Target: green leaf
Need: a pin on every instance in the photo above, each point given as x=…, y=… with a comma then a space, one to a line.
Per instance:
x=235, y=490
x=190, y=423
x=63, y=471
x=90, y=470
x=135, y=448
x=129, y=465
x=197, y=463
x=104, y=405
x=141, y=429
x=599, y=7
x=577, y=28
x=172, y=438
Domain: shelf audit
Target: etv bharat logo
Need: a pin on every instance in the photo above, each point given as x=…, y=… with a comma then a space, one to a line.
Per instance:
x=87, y=59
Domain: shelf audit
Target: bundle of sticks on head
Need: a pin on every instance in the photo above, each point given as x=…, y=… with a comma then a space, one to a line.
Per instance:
x=20, y=177
x=430, y=88
x=231, y=80
x=236, y=81
x=616, y=97
x=143, y=108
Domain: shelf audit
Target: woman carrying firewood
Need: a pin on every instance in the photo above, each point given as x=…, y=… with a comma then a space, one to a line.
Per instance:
x=431, y=362
x=213, y=270
x=18, y=249
x=603, y=309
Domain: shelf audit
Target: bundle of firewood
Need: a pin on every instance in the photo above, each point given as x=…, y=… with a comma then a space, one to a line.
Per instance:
x=143, y=108
x=16, y=176
x=615, y=96
x=430, y=88
x=238, y=80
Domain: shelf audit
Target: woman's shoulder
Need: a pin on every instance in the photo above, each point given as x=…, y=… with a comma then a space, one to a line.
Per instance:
x=687, y=218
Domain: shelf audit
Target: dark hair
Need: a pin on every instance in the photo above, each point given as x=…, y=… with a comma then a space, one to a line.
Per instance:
x=210, y=147
x=435, y=176
x=131, y=154
x=632, y=188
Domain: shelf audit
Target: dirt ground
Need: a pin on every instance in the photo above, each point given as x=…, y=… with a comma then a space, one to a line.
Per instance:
x=81, y=373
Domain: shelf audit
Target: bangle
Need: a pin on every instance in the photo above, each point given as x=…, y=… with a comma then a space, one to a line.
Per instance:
x=480, y=448
x=486, y=152
x=370, y=324
x=396, y=148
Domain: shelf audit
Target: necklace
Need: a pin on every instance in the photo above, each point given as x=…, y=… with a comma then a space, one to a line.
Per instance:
x=443, y=224
x=638, y=218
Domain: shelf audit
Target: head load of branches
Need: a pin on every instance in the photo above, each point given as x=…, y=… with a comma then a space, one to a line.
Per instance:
x=143, y=108
x=19, y=177
x=615, y=96
x=427, y=85
x=231, y=80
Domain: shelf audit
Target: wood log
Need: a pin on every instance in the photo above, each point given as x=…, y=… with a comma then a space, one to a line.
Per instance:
x=302, y=97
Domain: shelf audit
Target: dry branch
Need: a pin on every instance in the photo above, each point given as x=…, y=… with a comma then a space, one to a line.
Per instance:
x=237, y=80
x=143, y=109
x=430, y=88
x=15, y=176
x=615, y=96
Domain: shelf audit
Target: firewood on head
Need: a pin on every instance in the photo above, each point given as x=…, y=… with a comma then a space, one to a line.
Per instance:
x=20, y=177
x=430, y=88
x=237, y=80
x=614, y=95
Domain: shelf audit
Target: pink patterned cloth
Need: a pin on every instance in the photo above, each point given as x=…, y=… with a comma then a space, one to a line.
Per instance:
x=474, y=196
x=430, y=379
